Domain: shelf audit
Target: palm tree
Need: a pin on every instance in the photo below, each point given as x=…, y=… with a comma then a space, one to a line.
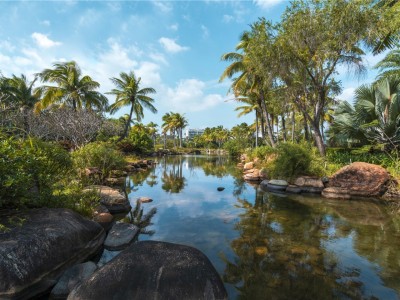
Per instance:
x=180, y=122
x=152, y=129
x=128, y=92
x=390, y=65
x=375, y=116
x=72, y=89
x=19, y=94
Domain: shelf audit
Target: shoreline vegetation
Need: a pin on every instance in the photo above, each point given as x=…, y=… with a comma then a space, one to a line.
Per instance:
x=58, y=136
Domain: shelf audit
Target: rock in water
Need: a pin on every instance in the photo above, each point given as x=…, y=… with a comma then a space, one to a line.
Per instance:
x=154, y=270
x=358, y=179
x=71, y=278
x=120, y=236
x=46, y=242
x=220, y=189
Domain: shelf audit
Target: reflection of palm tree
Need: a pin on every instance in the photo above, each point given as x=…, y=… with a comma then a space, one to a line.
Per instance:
x=279, y=254
x=142, y=221
x=173, y=179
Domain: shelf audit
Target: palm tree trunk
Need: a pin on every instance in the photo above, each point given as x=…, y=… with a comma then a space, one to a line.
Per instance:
x=268, y=121
x=125, y=134
x=283, y=127
x=319, y=142
x=293, y=125
x=256, y=129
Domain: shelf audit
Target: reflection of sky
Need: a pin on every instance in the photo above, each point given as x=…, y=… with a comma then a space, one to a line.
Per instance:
x=198, y=216
x=349, y=262
x=203, y=217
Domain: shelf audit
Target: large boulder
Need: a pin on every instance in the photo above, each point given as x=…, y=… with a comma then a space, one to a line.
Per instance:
x=248, y=166
x=358, y=179
x=111, y=198
x=252, y=175
x=40, y=245
x=154, y=270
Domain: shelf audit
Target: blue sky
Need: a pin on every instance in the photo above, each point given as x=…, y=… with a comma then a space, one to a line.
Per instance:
x=174, y=46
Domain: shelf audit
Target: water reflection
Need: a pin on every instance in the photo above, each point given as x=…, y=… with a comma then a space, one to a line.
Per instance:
x=269, y=246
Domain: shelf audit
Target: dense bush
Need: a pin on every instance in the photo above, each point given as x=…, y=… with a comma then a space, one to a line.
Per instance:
x=29, y=171
x=293, y=160
x=262, y=152
x=100, y=155
x=233, y=147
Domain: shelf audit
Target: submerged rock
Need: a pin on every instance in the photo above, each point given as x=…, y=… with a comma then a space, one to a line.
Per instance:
x=309, y=184
x=71, y=278
x=44, y=243
x=145, y=199
x=220, y=189
x=154, y=270
x=276, y=185
x=120, y=236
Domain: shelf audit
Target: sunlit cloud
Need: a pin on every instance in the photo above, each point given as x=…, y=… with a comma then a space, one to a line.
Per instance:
x=171, y=46
x=164, y=7
x=267, y=3
x=206, y=33
x=189, y=95
x=43, y=41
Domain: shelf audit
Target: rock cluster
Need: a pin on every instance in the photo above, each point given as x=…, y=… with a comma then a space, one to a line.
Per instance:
x=36, y=252
x=358, y=179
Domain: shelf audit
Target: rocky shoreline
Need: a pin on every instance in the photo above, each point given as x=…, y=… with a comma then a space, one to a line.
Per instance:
x=357, y=180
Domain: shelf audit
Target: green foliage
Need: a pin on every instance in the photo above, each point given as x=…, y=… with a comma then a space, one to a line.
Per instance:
x=262, y=152
x=234, y=147
x=293, y=160
x=30, y=170
x=100, y=155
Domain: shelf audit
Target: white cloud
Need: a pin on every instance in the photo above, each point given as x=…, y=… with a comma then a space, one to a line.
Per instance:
x=174, y=27
x=206, y=33
x=171, y=46
x=89, y=17
x=265, y=4
x=149, y=72
x=6, y=46
x=45, y=23
x=189, y=96
x=347, y=94
x=227, y=18
x=164, y=7
x=43, y=41
x=158, y=57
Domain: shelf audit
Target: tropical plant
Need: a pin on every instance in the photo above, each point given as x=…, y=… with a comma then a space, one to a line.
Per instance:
x=129, y=93
x=389, y=66
x=70, y=89
x=375, y=117
x=100, y=155
x=30, y=171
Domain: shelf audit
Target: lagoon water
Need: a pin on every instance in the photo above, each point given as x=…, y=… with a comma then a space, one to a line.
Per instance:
x=272, y=246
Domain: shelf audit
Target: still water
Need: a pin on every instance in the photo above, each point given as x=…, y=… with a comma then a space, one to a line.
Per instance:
x=271, y=246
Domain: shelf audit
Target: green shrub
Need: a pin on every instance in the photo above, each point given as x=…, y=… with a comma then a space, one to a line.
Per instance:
x=30, y=170
x=262, y=152
x=293, y=160
x=100, y=155
x=233, y=147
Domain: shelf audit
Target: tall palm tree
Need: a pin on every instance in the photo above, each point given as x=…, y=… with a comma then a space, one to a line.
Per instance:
x=71, y=89
x=180, y=122
x=129, y=92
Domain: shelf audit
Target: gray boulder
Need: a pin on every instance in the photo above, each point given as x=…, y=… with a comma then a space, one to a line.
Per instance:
x=154, y=270
x=111, y=198
x=71, y=278
x=40, y=245
x=120, y=236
